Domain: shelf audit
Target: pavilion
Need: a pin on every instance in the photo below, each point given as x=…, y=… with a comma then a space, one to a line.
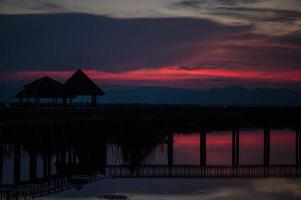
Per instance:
x=79, y=84
x=44, y=87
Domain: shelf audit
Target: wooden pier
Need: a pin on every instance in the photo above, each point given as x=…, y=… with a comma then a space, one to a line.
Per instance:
x=79, y=135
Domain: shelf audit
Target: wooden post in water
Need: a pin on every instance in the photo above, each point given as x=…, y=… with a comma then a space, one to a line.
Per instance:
x=266, y=155
x=203, y=144
x=1, y=161
x=49, y=163
x=46, y=164
x=17, y=163
x=297, y=148
x=32, y=165
x=298, y=151
x=170, y=149
x=74, y=155
x=235, y=149
x=266, y=149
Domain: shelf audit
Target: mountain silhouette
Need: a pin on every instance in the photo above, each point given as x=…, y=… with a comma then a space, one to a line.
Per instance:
x=227, y=96
x=231, y=96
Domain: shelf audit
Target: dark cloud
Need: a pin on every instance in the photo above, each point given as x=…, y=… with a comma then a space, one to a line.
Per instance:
x=262, y=14
x=238, y=9
x=188, y=3
x=49, y=7
x=205, y=3
x=293, y=39
x=63, y=41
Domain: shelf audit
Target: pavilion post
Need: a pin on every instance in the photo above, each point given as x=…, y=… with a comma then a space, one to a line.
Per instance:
x=65, y=100
x=93, y=100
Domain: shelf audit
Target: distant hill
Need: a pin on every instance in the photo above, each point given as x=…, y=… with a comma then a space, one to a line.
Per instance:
x=229, y=96
x=7, y=93
x=232, y=96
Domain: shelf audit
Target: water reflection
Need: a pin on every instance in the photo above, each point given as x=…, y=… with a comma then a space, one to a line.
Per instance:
x=187, y=149
x=251, y=147
x=87, y=148
x=283, y=145
x=219, y=146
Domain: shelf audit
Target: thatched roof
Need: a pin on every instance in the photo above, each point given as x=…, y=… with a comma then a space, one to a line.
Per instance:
x=80, y=84
x=44, y=87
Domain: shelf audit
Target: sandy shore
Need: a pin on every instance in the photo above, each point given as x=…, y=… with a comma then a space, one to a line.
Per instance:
x=189, y=189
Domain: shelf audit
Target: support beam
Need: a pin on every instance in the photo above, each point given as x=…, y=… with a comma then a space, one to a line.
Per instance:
x=69, y=155
x=46, y=164
x=170, y=149
x=235, y=147
x=32, y=165
x=49, y=163
x=266, y=148
x=1, y=161
x=74, y=156
x=17, y=163
x=298, y=147
x=203, y=144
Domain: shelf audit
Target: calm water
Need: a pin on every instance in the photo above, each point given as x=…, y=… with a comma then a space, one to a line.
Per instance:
x=186, y=149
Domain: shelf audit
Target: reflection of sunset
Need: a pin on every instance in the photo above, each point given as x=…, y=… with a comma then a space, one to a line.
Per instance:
x=283, y=146
x=219, y=144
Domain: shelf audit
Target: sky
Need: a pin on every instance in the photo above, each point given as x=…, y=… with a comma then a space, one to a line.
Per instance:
x=171, y=43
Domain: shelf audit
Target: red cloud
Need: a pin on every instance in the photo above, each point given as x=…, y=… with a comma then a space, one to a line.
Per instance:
x=173, y=76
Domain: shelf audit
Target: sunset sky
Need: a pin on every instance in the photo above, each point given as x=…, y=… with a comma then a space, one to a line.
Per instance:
x=172, y=43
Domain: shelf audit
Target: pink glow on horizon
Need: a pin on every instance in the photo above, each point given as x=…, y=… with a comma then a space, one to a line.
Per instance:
x=167, y=74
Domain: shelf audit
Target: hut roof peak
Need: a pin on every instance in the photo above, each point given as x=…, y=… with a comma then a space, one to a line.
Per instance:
x=80, y=84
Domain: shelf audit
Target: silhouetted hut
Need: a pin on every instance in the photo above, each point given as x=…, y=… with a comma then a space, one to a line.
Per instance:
x=44, y=87
x=79, y=84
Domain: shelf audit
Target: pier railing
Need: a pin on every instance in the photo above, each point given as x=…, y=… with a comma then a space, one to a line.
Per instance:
x=40, y=115
x=208, y=171
x=35, y=189
x=42, y=187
